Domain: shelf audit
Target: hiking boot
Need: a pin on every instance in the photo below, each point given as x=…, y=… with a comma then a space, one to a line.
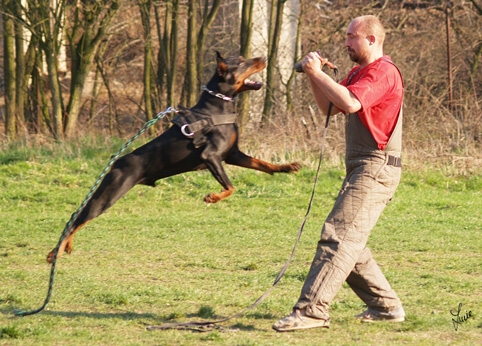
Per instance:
x=299, y=320
x=371, y=315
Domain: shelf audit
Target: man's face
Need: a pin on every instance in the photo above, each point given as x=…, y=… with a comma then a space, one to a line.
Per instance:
x=357, y=42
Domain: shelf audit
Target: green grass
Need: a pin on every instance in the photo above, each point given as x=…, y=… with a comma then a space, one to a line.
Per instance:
x=161, y=255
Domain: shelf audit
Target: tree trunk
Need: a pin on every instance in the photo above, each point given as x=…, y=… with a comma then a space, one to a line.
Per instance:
x=21, y=81
x=245, y=50
x=272, y=58
x=208, y=16
x=40, y=102
x=190, y=82
x=49, y=43
x=289, y=94
x=94, y=26
x=145, y=9
x=168, y=51
x=9, y=69
x=56, y=94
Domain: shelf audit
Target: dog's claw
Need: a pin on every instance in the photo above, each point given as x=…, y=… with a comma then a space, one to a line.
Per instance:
x=293, y=167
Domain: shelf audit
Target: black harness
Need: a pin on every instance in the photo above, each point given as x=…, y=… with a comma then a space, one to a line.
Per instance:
x=197, y=125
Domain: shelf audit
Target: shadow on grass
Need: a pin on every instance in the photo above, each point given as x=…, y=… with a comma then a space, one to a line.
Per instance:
x=209, y=321
x=262, y=316
x=133, y=316
x=127, y=316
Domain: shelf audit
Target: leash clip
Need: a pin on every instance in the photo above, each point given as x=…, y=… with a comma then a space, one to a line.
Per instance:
x=183, y=130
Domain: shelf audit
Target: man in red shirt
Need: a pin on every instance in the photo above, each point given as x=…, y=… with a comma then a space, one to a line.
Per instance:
x=379, y=89
x=371, y=97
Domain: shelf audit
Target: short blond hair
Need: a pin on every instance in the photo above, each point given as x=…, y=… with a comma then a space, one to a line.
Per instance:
x=371, y=25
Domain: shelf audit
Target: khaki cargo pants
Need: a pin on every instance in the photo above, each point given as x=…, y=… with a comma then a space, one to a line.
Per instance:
x=342, y=254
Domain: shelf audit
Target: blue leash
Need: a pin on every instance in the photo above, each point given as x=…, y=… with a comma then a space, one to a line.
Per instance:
x=66, y=230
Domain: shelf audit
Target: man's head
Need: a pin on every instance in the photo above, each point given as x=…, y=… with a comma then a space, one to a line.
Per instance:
x=364, y=39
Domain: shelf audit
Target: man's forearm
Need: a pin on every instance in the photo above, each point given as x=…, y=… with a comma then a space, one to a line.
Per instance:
x=326, y=89
x=321, y=100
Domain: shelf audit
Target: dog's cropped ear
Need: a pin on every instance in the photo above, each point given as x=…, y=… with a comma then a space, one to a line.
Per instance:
x=218, y=56
x=222, y=68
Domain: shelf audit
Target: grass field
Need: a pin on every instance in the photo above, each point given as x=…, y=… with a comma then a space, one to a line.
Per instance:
x=161, y=255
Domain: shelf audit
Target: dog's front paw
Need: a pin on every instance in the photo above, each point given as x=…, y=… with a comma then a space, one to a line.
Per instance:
x=293, y=167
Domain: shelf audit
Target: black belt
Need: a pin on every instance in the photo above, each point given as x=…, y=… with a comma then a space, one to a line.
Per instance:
x=394, y=161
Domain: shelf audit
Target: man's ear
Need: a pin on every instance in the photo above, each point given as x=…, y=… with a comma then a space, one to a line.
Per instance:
x=221, y=68
x=371, y=39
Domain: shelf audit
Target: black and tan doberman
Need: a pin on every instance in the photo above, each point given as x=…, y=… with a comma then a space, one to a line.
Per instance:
x=202, y=137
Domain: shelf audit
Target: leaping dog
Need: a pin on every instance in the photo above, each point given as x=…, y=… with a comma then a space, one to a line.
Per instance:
x=202, y=137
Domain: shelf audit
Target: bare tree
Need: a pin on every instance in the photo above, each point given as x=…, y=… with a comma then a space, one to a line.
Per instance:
x=9, y=68
x=20, y=80
x=190, y=81
x=87, y=30
x=168, y=43
x=208, y=15
x=289, y=84
x=195, y=45
x=245, y=50
x=275, y=32
x=48, y=20
x=150, y=93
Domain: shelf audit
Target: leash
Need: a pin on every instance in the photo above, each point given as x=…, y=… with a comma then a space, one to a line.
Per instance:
x=74, y=216
x=197, y=326
x=207, y=326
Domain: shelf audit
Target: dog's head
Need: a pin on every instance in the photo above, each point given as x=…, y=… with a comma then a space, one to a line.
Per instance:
x=235, y=70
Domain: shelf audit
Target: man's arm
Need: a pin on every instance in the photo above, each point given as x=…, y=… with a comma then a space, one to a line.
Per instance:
x=325, y=89
x=322, y=101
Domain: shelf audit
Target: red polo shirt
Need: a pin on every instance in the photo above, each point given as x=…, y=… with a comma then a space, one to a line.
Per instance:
x=379, y=89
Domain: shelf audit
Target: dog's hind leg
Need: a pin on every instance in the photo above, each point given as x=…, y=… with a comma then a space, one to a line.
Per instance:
x=125, y=173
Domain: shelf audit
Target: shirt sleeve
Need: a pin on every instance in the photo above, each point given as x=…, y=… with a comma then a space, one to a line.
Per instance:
x=372, y=88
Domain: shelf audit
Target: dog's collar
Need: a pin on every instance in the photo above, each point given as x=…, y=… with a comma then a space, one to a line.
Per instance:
x=219, y=95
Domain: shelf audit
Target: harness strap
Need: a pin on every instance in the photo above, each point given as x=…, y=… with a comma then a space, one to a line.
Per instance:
x=219, y=119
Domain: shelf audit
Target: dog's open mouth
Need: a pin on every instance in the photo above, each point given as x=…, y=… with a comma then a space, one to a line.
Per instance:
x=253, y=85
x=249, y=68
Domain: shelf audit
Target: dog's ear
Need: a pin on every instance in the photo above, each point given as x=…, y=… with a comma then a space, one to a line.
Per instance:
x=218, y=56
x=222, y=68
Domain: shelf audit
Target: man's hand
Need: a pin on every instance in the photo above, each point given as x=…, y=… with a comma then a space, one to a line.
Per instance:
x=313, y=62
